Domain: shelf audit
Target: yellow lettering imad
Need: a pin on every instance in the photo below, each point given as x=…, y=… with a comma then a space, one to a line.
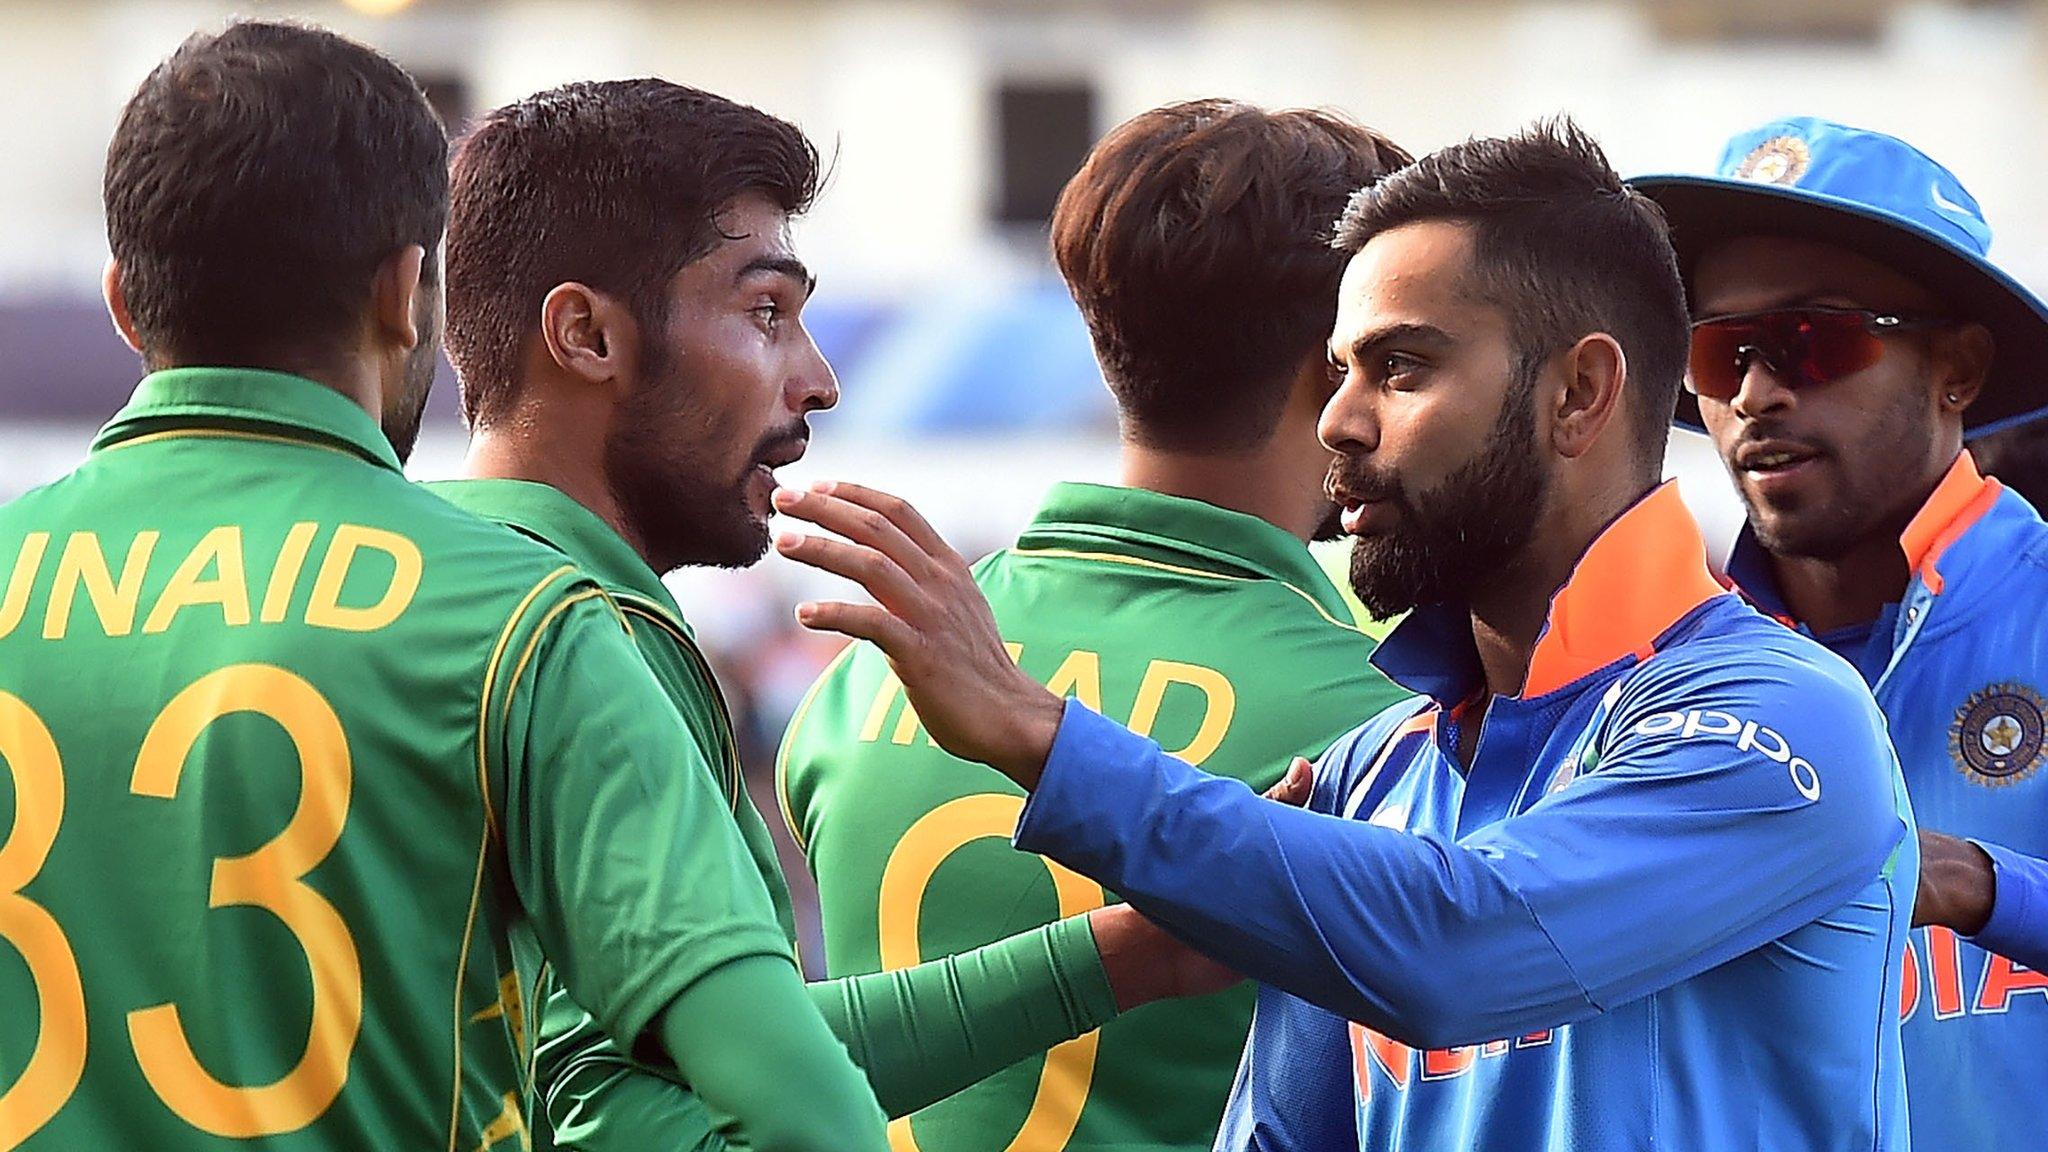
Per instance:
x=878, y=712
x=1220, y=704
x=1079, y=676
x=906, y=722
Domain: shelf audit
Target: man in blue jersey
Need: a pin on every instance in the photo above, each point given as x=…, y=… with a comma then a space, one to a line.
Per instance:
x=1849, y=333
x=1634, y=868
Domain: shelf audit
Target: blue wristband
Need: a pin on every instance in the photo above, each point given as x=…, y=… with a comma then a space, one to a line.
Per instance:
x=2018, y=927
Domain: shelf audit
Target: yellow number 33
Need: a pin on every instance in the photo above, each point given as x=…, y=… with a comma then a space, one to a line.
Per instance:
x=270, y=878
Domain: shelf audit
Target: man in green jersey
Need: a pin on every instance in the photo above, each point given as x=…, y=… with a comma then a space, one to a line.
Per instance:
x=1184, y=602
x=304, y=767
x=625, y=311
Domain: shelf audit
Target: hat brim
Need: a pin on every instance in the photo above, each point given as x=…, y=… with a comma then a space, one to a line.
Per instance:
x=1707, y=210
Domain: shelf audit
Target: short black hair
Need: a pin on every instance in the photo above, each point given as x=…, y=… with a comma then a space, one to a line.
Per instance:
x=615, y=184
x=1193, y=241
x=1560, y=244
x=255, y=182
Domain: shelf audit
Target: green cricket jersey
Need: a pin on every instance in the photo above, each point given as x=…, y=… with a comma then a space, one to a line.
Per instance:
x=299, y=769
x=918, y=1036
x=1211, y=631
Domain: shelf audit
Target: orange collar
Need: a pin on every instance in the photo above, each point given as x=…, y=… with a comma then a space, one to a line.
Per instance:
x=1959, y=501
x=1636, y=580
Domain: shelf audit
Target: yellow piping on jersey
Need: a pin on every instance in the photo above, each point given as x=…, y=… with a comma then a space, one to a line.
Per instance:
x=540, y=630
x=660, y=617
x=476, y=892
x=1140, y=562
x=226, y=434
x=483, y=782
x=483, y=717
x=737, y=782
x=789, y=738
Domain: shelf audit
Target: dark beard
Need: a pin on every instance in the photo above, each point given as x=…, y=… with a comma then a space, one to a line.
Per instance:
x=1460, y=533
x=1878, y=508
x=401, y=422
x=666, y=483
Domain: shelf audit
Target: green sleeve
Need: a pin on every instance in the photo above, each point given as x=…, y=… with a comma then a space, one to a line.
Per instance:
x=921, y=1034
x=924, y=1033
x=591, y=1098
x=750, y=1043
x=622, y=851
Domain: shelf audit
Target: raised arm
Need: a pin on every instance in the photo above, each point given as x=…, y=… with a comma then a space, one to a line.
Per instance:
x=1535, y=921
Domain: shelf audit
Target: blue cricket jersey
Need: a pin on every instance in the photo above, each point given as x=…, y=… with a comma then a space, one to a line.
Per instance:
x=1960, y=667
x=1663, y=908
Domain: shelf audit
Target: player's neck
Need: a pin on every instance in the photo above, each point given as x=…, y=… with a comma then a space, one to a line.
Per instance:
x=1510, y=610
x=1826, y=593
x=515, y=455
x=1835, y=592
x=1257, y=483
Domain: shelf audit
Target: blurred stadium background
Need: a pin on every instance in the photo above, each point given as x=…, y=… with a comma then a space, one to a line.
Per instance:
x=968, y=380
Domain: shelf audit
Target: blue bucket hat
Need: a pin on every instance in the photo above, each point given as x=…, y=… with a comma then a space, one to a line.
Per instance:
x=1875, y=194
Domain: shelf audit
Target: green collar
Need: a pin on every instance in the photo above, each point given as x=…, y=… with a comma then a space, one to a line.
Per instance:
x=1176, y=530
x=250, y=402
x=552, y=516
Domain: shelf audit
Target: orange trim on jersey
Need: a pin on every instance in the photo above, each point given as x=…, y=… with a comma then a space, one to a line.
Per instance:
x=1958, y=502
x=1639, y=577
x=1423, y=721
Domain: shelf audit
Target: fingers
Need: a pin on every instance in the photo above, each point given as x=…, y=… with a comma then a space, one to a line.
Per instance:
x=1296, y=786
x=896, y=510
x=860, y=621
x=862, y=525
x=876, y=573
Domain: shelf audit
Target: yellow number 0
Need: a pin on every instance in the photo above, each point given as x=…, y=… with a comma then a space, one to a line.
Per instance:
x=1069, y=1067
x=58, y=1060
x=270, y=878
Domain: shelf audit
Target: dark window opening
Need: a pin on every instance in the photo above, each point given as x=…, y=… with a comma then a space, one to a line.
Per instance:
x=1043, y=131
x=449, y=94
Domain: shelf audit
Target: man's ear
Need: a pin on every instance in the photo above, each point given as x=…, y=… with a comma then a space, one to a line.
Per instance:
x=1595, y=372
x=1962, y=364
x=589, y=334
x=395, y=295
x=117, y=304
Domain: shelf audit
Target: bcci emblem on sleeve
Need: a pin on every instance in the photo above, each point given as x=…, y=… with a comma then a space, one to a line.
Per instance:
x=1998, y=734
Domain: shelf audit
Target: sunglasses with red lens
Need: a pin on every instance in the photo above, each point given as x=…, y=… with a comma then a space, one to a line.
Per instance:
x=1803, y=347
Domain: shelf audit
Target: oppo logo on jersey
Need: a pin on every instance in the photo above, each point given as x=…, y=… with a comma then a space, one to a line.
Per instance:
x=1748, y=735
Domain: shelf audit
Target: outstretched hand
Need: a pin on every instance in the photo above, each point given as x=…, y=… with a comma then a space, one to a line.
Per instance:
x=929, y=619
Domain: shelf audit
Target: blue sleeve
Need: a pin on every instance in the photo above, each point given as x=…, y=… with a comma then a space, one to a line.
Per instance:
x=2018, y=927
x=1293, y=1091
x=1547, y=917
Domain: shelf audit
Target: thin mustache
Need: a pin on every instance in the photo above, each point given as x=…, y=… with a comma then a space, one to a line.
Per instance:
x=1359, y=483
x=1767, y=435
x=798, y=437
